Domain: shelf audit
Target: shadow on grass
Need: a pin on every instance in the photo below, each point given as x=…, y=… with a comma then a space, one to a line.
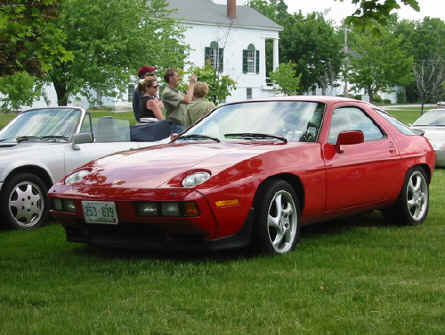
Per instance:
x=338, y=226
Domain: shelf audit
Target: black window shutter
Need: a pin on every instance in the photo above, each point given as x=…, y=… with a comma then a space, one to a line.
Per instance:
x=244, y=61
x=257, y=59
x=207, y=55
x=221, y=60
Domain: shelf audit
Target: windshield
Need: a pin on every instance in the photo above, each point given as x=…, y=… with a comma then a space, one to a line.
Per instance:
x=431, y=118
x=51, y=123
x=298, y=121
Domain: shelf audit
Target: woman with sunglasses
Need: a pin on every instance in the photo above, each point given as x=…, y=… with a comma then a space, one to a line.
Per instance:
x=151, y=106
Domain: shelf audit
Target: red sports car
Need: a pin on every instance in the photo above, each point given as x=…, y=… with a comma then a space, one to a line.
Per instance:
x=251, y=172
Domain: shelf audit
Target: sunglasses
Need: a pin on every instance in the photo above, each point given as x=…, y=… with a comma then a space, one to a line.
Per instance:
x=155, y=86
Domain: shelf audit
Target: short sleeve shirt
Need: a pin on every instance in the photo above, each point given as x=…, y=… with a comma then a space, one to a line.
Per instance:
x=197, y=109
x=174, y=110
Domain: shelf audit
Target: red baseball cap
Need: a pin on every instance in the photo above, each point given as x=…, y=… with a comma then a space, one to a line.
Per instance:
x=146, y=69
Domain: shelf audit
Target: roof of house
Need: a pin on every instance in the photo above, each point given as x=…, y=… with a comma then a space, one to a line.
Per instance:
x=207, y=12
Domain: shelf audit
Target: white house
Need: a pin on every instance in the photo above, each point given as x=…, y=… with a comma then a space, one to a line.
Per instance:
x=233, y=37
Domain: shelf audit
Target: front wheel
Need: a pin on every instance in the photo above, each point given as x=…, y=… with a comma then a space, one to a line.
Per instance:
x=24, y=202
x=413, y=202
x=277, y=218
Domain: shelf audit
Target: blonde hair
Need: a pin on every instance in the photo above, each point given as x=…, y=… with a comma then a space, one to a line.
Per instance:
x=146, y=83
x=201, y=89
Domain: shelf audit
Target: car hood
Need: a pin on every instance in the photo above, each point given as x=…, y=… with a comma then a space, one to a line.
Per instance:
x=155, y=167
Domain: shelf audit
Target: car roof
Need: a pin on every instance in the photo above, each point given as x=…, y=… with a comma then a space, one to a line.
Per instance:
x=311, y=98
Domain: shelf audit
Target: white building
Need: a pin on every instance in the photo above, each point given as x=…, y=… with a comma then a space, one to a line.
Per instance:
x=233, y=37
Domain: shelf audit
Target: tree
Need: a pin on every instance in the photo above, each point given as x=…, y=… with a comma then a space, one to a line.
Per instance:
x=30, y=39
x=313, y=45
x=430, y=77
x=31, y=43
x=310, y=42
x=284, y=76
x=379, y=62
x=371, y=12
x=110, y=39
x=424, y=41
x=219, y=85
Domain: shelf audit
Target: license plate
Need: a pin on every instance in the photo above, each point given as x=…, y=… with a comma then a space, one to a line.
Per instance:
x=102, y=212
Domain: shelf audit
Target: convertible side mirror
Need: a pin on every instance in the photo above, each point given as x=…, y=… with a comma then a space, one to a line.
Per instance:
x=81, y=138
x=349, y=138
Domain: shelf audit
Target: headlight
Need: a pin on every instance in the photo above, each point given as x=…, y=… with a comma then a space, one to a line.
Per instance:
x=195, y=179
x=76, y=177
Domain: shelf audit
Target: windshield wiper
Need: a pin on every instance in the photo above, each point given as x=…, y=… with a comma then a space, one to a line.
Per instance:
x=5, y=139
x=198, y=137
x=55, y=137
x=255, y=136
x=26, y=138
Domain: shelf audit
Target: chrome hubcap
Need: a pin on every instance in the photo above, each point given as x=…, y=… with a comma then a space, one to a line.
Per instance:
x=282, y=221
x=26, y=204
x=417, y=196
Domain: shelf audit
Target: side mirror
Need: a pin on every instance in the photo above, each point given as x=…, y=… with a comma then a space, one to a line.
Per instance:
x=349, y=138
x=81, y=138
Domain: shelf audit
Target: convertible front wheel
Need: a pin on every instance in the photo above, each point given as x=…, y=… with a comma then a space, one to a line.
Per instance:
x=278, y=218
x=24, y=202
x=413, y=202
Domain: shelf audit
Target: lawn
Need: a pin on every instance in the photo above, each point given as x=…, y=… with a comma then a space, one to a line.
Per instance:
x=355, y=276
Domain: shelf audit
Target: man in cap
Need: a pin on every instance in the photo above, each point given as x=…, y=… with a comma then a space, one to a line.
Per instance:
x=143, y=72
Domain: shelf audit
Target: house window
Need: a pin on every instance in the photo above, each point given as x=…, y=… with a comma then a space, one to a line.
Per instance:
x=249, y=93
x=251, y=60
x=215, y=56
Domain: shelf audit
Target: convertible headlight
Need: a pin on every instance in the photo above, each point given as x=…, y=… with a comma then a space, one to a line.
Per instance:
x=195, y=179
x=76, y=177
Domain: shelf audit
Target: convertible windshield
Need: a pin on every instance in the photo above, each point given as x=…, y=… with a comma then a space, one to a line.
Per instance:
x=51, y=124
x=431, y=118
x=298, y=121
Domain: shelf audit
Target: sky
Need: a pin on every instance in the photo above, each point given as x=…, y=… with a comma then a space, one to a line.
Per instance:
x=337, y=10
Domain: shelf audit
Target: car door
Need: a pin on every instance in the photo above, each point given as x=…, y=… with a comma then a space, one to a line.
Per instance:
x=359, y=175
x=114, y=138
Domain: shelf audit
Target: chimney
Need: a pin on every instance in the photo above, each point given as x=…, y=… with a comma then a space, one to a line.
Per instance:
x=231, y=9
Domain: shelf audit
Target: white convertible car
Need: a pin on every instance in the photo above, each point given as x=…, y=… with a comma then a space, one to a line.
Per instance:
x=40, y=146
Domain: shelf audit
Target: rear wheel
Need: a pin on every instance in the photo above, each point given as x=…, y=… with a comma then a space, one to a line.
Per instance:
x=413, y=202
x=24, y=202
x=277, y=218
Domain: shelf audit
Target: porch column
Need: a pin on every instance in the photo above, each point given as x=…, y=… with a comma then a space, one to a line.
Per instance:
x=276, y=60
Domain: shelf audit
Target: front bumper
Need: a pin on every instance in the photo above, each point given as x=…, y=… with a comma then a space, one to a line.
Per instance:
x=155, y=236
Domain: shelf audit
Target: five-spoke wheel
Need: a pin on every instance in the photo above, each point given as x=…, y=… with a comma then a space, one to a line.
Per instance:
x=278, y=217
x=413, y=202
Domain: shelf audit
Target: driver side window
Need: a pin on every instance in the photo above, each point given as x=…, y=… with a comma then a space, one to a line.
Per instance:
x=86, y=124
x=352, y=118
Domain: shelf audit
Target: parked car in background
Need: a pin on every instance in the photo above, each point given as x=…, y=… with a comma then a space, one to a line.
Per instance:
x=40, y=146
x=432, y=123
x=252, y=173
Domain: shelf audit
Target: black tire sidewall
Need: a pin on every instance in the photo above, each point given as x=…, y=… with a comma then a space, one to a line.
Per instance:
x=264, y=197
x=7, y=189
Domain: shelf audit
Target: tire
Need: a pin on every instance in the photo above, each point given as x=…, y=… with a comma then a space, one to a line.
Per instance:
x=24, y=202
x=277, y=226
x=412, y=205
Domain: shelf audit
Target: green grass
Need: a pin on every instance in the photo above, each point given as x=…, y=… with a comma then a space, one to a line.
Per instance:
x=355, y=276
